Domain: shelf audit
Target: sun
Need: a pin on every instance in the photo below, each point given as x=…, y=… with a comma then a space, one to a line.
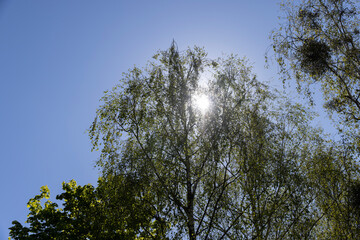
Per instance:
x=202, y=102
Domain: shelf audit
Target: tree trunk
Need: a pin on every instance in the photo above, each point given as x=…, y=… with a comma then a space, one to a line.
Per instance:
x=190, y=215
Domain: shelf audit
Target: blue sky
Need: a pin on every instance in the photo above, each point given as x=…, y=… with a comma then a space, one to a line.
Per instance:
x=58, y=57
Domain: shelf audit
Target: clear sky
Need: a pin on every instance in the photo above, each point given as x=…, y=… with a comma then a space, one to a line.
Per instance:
x=58, y=57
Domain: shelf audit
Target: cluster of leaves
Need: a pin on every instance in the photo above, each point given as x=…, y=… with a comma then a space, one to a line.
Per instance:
x=116, y=209
x=314, y=57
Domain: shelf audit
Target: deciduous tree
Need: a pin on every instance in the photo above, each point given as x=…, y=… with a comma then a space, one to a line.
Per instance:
x=231, y=172
x=113, y=210
x=319, y=43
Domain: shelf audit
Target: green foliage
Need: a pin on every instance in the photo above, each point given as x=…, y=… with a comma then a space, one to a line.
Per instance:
x=106, y=212
x=333, y=176
x=250, y=167
x=319, y=42
x=235, y=171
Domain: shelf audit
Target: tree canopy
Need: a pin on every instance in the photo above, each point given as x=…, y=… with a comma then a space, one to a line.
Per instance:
x=114, y=209
x=319, y=43
x=248, y=166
